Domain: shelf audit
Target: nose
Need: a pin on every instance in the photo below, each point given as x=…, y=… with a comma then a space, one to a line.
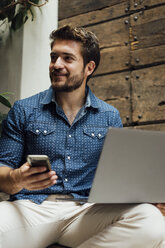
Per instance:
x=58, y=64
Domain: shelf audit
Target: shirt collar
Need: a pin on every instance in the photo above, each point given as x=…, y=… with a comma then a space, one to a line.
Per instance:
x=91, y=100
x=48, y=97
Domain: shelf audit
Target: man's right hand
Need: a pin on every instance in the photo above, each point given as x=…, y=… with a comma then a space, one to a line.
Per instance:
x=31, y=178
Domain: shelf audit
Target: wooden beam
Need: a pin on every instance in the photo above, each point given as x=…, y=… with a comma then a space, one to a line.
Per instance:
x=77, y=7
x=115, y=90
x=148, y=35
x=141, y=4
x=148, y=94
x=96, y=16
x=148, y=16
x=114, y=59
x=147, y=28
x=148, y=56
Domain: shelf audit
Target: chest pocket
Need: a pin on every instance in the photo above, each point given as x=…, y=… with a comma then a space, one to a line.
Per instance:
x=41, y=128
x=40, y=137
x=93, y=142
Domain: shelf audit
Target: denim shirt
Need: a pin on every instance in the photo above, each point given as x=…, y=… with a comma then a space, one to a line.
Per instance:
x=38, y=125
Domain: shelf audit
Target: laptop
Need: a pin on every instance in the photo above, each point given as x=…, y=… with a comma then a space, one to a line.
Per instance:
x=131, y=168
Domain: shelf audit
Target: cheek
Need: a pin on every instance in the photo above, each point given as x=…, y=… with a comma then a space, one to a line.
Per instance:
x=50, y=66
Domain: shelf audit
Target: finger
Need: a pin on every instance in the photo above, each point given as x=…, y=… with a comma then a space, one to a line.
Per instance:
x=43, y=184
x=39, y=177
x=37, y=170
x=25, y=167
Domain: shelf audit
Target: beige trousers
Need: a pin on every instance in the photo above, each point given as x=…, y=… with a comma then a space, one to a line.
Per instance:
x=24, y=224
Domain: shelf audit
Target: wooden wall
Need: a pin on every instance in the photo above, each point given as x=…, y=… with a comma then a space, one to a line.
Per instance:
x=131, y=75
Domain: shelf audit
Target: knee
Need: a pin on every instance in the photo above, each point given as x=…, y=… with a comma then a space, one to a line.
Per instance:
x=152, y=223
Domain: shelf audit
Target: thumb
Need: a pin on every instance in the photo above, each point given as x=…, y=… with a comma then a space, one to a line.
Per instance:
x=25, y=167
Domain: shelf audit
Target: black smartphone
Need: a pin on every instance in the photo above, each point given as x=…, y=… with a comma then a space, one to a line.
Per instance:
x=39, y=160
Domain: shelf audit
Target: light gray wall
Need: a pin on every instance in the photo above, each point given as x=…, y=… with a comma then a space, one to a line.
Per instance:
x=24, y=54
x=11, y=63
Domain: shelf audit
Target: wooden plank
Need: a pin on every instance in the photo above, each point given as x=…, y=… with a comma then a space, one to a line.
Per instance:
x=148, y=94
x=153, y=127
x=115, y=90
x=139, y=4
x=77, y=7
x=147, y=16
x=114, y=59
x=147, y=28
x=111, y=33
x=148, y=35
x=97, y=16
x=148, y=56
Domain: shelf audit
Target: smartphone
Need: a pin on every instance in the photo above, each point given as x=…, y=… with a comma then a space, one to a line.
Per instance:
x=39, y=160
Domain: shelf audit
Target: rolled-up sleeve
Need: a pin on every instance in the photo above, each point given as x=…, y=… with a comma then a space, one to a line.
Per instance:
x=12, y=139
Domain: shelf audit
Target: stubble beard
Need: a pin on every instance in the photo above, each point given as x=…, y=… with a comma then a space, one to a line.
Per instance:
x=71, y=84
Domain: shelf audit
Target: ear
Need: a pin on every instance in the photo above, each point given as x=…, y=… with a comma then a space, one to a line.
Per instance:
x=90, y=67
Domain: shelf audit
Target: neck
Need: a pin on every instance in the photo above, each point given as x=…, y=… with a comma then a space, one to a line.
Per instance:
x=71, y=102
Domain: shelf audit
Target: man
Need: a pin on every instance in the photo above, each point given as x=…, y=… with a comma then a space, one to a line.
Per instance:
x=67, y=123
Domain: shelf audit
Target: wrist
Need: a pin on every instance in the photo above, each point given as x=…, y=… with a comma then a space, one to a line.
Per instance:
x=14, y=181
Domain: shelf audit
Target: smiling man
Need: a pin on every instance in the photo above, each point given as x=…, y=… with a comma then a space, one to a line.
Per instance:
x=66, y=67
x=68, y=123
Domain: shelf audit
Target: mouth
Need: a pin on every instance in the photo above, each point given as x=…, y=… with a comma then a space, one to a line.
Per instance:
x=58, y=74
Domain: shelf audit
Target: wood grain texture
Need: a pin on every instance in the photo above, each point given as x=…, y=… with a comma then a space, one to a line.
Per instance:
x=148, y=16
x=115, y=90
x=148, y=94
x=77, y=7
x=148, y=29
x=112, y=33
x=93, y=17
x=139, y=4
x=148, y=35
x=148, y=56
x=114, y=59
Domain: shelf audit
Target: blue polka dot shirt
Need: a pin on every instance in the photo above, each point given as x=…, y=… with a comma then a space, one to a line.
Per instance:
x=38, y=125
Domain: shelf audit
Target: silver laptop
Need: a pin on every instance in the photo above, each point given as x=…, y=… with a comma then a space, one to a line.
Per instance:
x=131, y=168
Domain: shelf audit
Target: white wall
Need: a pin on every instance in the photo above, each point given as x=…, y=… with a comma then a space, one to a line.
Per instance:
x=24, y=54
x=36, y=50
x=10, y=63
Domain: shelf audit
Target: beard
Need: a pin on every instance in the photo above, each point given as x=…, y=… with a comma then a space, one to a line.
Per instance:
x=72, y=83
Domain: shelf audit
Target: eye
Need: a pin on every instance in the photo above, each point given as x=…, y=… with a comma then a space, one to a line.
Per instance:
x=68, y=58
x=53, y=57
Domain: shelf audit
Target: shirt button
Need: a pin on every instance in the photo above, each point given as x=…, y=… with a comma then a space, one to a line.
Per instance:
x=45, y=131
x=37, y=131
x=70, y=135
x=66, y=179
x=99, y=135
x=93, y=135
x=69, y=157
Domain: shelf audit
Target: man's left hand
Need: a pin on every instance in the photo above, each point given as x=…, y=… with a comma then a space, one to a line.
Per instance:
x=161, y=207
